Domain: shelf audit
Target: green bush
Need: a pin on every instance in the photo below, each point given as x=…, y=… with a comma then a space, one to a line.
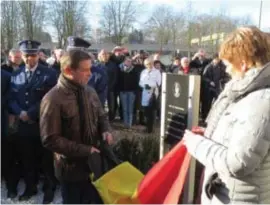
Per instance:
x=142, y=152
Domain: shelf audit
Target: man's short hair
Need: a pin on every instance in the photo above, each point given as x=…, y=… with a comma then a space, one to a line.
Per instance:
x=157, y=61
x=73, y=58
x=177, y=58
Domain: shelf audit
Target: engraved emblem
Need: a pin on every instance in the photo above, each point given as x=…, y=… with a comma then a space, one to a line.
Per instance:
x=177, y=89
x=29, y=45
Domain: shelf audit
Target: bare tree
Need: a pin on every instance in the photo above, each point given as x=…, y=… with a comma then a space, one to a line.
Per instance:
x=160, y=24
x=243, y=20
x=68, y=18
x=189, y=13
x=117, y=17
x=32, y=14
x=9, y=24
x=177, y=25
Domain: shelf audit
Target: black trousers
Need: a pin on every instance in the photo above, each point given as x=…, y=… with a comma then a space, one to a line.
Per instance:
x=150, y=115
x=47, y=169
x=118, y=106
x=198, y=174
x=138, y=109
x=111, y=105
x=36, y=159
x=11, y=165
x=206, y=103
x=82, y=192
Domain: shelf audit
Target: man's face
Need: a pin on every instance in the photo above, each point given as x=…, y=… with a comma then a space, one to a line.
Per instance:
x=118, y=53
x=128, y=62
x=157, y=66
x=201, y=54
x=58, y=54
x=30, y=60
x=16, y=58
x=83, y=73
x=216, y=61
x=176, y=62
x=42, y=56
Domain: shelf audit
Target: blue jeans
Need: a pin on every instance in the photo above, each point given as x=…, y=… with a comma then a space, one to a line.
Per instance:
x=127, y=100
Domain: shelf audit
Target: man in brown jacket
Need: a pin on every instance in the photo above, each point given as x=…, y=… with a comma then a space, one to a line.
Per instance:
x=72, y=124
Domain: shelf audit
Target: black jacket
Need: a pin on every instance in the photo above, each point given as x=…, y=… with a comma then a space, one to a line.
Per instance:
x=200, y=66
x=5, y=88
x=128, y=81
x=217, y=74
x=112, y=71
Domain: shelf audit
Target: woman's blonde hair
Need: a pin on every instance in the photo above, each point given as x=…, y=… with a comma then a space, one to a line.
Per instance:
x=247, y=44
x=101, y=56
x=148, y=61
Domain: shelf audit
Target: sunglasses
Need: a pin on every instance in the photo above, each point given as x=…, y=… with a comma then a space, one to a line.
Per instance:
x=30, y=55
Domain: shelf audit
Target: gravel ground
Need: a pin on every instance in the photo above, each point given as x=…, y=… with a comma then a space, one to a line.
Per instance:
x=119, y=132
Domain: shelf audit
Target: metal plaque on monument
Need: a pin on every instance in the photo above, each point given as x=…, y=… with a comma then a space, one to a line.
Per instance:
x=179, y=111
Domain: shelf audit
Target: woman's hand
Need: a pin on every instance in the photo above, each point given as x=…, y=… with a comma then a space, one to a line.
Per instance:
x=189, y=136
x=198, y=130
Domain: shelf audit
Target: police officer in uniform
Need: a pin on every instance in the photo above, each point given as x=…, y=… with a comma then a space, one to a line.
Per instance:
x=98, y=79
x=28, y=86
x=99, y=82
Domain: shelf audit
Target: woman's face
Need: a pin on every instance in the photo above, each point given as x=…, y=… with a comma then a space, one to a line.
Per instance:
x=148, y=64
x=235, y=71
x=229, y=67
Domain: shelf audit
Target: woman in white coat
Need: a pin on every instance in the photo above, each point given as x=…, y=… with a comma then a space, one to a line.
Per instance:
x=235, y=146
x=150, y=80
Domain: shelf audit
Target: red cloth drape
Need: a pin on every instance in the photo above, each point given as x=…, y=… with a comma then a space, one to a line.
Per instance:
x=164, y=183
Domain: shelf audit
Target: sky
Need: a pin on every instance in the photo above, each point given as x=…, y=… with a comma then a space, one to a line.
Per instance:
x=235, y=8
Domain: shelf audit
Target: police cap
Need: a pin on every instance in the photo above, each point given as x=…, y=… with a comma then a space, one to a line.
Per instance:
x=75, y=43
x=29, y=46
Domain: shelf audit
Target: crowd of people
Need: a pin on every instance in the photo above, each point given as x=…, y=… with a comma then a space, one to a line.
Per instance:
x=53, y=116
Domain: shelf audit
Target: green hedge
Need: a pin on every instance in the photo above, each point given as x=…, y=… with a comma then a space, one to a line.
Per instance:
x=142, y=152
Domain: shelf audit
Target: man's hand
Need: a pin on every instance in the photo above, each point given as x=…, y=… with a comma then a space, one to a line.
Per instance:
x=93, y=150
x=23, y=116
x=212, y=84
x=196, y=55
x=136, y=56
x=108, y=137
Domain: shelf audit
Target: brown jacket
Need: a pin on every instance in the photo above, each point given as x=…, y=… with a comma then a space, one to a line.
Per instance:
x=60, y=131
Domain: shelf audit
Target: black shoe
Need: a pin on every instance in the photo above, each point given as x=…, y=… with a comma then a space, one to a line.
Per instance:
x=12, y=194
x=27, y=194
x=48, y=196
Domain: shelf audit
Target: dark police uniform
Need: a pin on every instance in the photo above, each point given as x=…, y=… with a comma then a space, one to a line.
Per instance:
x=27, y=90
x=5, y=83
x=98, y=79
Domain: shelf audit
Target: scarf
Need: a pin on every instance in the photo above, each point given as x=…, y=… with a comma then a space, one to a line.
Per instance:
x=186, y=70
x=126, y=69
x=86, y=110
x=235, y=90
